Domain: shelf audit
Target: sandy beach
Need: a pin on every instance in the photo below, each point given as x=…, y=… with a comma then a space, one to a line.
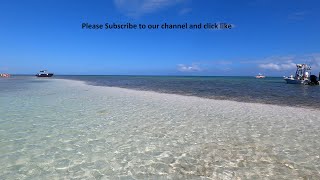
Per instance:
x=77, y=131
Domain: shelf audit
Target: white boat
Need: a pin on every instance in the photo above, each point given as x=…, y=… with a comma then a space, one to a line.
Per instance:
x=260, y=76
x=302, y=75
x=5, y=75
x=44, y=73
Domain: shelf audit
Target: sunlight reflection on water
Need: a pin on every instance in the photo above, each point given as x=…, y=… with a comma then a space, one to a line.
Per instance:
x=64, y=129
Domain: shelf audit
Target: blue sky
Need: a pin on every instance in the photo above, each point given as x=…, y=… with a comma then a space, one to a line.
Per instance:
x=268, y=36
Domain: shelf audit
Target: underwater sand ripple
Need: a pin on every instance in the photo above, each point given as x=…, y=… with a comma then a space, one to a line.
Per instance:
x=107, y=133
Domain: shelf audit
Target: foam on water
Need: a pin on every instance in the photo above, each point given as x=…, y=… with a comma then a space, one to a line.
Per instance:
x=65, y=129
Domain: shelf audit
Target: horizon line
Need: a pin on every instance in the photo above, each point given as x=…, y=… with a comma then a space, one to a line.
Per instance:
x=145, y=75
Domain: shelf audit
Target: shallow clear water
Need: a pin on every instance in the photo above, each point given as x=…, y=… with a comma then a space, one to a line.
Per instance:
x=59, y=129
x=271, y=90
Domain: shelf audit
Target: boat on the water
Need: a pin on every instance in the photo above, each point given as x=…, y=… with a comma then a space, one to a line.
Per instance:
x=44, y=73
x=5, y=75
x=302, y=75
x=260, y=76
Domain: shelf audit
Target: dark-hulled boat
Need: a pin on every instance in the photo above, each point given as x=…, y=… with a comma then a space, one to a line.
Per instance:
x=44, y=73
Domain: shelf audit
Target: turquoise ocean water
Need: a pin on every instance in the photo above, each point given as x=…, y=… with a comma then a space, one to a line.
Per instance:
x=62, y=129
x=271, y=90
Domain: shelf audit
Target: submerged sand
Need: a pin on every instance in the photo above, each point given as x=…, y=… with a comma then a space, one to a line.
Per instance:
x=74, y=130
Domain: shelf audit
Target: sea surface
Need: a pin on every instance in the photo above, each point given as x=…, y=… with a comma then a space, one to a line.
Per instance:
x=271, y=90
x=54, y=128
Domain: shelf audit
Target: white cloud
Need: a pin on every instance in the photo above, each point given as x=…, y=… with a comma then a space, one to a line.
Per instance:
x=283, y=63
x=278, y=63
x=278, y=66
x=186, y=68
x=270, y=59
x=136, y=8
x=314, y=60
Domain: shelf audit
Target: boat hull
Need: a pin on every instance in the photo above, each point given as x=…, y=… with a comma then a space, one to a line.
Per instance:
x=5, y=75
x=295, y=81
x=45, y=75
